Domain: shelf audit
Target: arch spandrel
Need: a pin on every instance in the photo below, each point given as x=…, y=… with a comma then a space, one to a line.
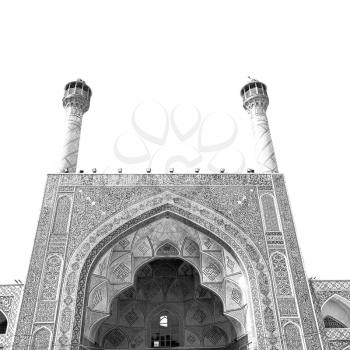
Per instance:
x=338, y=308
x=193, y=215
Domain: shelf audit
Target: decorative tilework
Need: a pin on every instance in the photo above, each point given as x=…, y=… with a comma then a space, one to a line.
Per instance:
x=199, y=316
x=200, y=204
x=280, y=271
x=167, y=249
x=96, y=297
x=269, y=211
x=300, y=283
x=5, y=303
x=191, y=248
x=121, y=272
x=212, y=271
x=236, y=296
x=41, y=339
x=191, y=339
x=51, y=278
x=292, y=337
x=252, y=251
x=287, y=307
x=131, y=317
x=115, y=337
x=62, y=216
x=214, y=334
x=45, y=311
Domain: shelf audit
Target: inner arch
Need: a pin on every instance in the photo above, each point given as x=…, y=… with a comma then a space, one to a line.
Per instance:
x=166, y=307
x=165, y=237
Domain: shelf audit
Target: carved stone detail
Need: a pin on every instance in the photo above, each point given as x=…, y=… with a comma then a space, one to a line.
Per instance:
x=60, y=224
x=51, y=278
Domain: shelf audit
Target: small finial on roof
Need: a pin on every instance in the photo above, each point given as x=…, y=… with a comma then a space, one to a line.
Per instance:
x=252, y=79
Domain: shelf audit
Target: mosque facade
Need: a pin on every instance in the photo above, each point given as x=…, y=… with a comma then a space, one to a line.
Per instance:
x=193, y=261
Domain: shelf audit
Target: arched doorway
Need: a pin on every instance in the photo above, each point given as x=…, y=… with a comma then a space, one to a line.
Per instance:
x=165, y=236
x=3, y=323
x=167, y=307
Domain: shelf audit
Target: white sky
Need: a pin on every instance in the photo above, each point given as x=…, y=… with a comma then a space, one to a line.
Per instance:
x=174, y=53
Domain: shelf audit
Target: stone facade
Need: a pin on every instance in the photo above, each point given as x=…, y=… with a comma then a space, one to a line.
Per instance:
x=332, y=299
x=97, y=232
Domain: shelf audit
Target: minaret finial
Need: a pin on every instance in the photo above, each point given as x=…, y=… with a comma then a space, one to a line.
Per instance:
x=76, y=101
x=255, y=101
x=251, y=79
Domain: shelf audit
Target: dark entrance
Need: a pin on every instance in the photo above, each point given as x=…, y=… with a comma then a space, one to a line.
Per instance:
x=167, y=307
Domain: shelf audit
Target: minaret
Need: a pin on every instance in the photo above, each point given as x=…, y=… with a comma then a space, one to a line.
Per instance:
x=76, y=102
x=255, y=101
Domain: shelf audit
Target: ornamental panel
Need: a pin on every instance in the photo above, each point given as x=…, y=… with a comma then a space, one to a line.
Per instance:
x=41, y=339
x=292, y=336
x=270, y=214
x=281, y=275
x=60, y=225
x=51, y=278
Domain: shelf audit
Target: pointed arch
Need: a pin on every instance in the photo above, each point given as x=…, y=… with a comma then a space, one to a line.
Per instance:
x=292, y=336
x=3, y=323
x=167, y=249
x=336, y=312
x=203, y=219
x=41, y=339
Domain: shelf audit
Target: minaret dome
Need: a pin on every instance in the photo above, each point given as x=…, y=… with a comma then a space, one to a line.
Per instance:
x=253, y=91
x=77, y=92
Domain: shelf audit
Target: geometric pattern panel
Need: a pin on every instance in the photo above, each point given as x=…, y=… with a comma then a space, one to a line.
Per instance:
x=51, y=278
x=61, y=216
x=199, y=316
x=233, y=295
x=121, y=272
x=214, y=335
x=190, y=248
x=131, y=317
x=114, y=339
x=236, y=296
x=281, y=275
x=142, y=248
x=46, y=311
x=337, y=333
x=270, y=215
x=98, y=298
x=5, y=303
x=339, y=345
x=230, y=264
x=292, y=336
x=212, y=271
x=287, y=307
